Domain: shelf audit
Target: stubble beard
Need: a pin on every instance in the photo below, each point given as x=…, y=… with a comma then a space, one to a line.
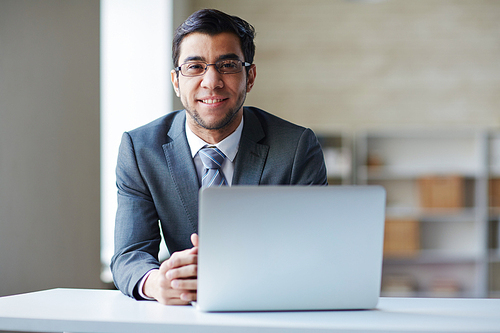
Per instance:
x=224, y=122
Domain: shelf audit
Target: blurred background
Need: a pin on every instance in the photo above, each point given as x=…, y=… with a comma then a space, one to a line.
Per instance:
x=405, y=94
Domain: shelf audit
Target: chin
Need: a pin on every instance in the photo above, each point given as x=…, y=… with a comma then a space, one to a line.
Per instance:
x=211, y=123
x=215, y=125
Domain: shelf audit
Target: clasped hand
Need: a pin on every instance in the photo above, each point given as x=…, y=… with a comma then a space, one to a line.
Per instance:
x=175, y=283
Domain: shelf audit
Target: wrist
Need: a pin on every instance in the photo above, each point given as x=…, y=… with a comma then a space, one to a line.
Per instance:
x=146, y=289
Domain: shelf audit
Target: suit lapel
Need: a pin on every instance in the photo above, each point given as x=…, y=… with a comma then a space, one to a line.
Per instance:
x=251, y=157
x=181, y=168
x=249, y=162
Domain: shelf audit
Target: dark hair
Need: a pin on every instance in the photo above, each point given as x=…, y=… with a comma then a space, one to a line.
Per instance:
x=213, y=22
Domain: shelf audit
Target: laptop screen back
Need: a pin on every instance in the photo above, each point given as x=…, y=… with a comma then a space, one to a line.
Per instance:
x=290, y=247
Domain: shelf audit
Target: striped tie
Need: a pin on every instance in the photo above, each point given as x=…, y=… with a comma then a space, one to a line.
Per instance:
x=212, y=159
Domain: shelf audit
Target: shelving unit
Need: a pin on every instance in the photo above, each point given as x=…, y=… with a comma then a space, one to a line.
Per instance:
x=437, y=179
x=494, y=214
x=337, y=149
x=443, y=205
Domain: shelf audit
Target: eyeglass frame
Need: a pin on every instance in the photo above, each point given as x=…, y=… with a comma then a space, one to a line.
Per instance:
x=243, y=63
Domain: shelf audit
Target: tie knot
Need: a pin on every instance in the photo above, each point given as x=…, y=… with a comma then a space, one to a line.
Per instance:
x=212, y=157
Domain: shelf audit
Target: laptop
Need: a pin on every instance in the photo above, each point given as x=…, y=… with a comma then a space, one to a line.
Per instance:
x=277, y=248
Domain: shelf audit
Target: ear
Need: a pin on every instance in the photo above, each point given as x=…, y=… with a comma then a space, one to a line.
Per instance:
x=252, y=73
x=174, y=77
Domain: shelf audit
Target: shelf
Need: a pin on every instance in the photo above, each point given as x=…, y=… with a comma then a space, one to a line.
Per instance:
x=432, y=214
x=426, y=294
x=413, y=172
x=415, y=153
x=426, y=257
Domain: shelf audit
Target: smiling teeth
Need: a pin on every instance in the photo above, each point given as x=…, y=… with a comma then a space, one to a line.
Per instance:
x=211, y=101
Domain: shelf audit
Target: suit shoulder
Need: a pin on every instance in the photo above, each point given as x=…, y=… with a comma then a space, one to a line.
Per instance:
x=266, y=118
x=273, y=127
x=156, y=130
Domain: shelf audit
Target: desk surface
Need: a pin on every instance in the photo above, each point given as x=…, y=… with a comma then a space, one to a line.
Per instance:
x=81, y=310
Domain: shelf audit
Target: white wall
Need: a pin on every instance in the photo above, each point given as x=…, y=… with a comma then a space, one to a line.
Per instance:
x=323, y=63
x=49, y=145
x=136, y=42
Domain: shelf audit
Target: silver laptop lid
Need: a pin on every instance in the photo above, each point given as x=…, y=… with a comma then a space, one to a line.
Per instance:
x=290, y=247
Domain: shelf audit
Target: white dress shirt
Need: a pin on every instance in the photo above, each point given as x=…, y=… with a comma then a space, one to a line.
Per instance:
x=229, y=146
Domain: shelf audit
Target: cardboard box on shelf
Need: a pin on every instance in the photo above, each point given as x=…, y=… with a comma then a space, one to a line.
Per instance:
x=442, y=192
x=401, y=238
x=494, y=189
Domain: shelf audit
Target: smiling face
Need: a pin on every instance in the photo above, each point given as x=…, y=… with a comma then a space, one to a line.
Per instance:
x=213, y=101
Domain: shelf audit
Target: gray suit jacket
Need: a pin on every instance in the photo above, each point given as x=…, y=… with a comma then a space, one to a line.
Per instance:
x=157, y=181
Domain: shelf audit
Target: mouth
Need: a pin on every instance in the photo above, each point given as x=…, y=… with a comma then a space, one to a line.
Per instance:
x=212, y=100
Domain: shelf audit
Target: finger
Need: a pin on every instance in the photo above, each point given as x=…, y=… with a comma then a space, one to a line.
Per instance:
x=195, y=240
x=188, y=296
x=184, y=284
x=183, y=258
x=178, y=301
x=178, y=297
x=173, y=300
x=183, y=272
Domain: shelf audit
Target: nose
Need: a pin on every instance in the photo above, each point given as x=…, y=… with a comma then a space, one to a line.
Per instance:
x=212, y=79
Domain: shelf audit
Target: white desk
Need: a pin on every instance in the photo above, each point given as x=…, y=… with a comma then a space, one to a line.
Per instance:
x=79, y=310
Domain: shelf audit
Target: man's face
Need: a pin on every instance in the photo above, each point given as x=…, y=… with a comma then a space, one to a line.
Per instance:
x=213, y=101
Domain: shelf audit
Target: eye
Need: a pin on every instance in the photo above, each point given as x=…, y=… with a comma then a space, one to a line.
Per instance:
x=195, y=66
x=228, y=64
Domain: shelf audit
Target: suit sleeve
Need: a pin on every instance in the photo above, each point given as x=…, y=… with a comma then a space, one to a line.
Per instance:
x=309, y=164
x=137, y=232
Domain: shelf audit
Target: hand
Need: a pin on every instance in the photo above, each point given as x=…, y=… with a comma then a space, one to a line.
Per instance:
x=175, y=283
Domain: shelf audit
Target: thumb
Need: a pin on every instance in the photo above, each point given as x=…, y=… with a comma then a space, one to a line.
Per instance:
x=195, y=240
x=164, y=267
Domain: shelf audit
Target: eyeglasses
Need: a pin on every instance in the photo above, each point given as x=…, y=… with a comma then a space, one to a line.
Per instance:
x=198, y=68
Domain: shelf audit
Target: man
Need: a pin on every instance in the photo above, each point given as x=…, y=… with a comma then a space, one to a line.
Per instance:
x=161, y=165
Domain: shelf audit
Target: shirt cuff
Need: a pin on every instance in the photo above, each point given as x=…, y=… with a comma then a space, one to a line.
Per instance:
x=141, y=285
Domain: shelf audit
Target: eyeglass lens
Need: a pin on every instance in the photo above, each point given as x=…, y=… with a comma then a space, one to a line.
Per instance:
x=222, y=66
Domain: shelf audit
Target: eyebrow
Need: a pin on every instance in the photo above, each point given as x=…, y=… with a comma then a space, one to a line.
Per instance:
x=229, y=56
x=221, y=57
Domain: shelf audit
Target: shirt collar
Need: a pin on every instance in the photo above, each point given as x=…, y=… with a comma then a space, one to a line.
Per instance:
x=229, y=146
